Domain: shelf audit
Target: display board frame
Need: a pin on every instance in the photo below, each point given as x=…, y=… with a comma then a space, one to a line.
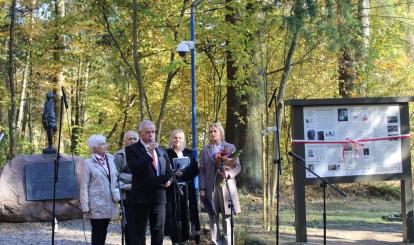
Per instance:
x=300, y=180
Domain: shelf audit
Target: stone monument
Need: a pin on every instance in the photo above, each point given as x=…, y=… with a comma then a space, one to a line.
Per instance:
x=27, y=181
x=14, y=205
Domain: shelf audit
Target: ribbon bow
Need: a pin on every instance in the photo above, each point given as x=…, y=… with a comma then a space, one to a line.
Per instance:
x=354, y=144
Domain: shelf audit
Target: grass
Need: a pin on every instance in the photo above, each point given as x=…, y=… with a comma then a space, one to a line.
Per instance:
x=351, y=214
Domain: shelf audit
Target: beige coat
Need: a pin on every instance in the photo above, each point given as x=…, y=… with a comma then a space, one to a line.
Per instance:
x=209, y=179
x=98, y=197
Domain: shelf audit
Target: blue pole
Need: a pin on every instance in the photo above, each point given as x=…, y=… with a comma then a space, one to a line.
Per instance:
x=193, y=91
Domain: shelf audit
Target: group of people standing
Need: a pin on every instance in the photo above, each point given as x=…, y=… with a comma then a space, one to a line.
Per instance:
x=141, y=177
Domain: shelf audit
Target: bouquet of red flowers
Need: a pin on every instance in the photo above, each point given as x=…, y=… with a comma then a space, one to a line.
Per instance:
x=221, y=156
x=224, y=156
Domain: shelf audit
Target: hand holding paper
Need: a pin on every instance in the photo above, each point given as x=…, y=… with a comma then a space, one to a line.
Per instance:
x=178, y=173
x=181, y=163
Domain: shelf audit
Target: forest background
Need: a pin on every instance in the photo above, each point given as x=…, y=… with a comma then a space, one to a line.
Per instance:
x=117, y=61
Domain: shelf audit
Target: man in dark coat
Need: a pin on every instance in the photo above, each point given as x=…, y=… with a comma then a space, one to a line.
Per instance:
x=151, y=173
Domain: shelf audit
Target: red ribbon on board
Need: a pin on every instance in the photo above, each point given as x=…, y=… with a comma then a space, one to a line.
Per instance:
x=355, y=144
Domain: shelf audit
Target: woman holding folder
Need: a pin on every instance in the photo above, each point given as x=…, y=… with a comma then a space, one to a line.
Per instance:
x=187, y=210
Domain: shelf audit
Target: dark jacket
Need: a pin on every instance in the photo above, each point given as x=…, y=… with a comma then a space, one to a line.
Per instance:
x=188, y=202
x=146, y=185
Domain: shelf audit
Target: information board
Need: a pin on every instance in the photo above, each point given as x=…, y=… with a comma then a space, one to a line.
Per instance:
x=348, y=140
x=352, y=140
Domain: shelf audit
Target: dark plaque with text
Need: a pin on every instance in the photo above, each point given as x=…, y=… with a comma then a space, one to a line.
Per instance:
x=39, y=181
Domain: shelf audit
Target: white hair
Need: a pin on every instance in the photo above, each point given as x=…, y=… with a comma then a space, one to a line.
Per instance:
x=132, y=133
x=173, y=133
x=145, y=123
x=95, y=140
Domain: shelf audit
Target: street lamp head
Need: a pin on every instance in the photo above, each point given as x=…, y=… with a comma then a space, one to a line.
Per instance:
x=184, y=47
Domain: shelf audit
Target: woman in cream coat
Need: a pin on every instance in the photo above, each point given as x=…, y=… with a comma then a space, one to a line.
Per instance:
x=99, y=193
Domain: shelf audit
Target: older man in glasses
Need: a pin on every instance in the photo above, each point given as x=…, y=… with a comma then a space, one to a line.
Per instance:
x=124, y=173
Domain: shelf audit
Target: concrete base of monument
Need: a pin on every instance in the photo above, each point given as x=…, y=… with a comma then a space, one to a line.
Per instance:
x=14, y=204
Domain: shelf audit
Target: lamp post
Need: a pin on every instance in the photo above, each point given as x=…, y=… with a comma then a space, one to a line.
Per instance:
x=182, y=49
x=193, y=85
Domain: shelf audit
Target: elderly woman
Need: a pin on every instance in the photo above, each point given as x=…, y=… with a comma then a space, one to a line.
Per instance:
x=188, y=201
x=215, y=165
x=99, y=193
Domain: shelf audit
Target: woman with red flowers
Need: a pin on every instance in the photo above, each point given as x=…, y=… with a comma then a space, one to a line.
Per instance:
x=216, y=165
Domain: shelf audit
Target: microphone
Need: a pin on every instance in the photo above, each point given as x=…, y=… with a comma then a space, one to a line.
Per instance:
x=296, y=156
x=64, y=98
x=177, y=186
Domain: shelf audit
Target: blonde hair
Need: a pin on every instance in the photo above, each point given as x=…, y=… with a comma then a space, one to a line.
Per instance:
x=173, y=133
x=219, y=127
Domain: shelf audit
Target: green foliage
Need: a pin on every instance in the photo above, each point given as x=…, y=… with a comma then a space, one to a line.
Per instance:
x=100, y=85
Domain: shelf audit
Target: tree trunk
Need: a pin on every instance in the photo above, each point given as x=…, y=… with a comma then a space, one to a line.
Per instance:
x=280, y=106
x=252, y=144
x=58, y=77
x=264, y=61
x=234, y=128
x=27, y=68
x=244, y=112
x=363, y=16
x=76, y=110
x=217, y=77
x=128, y=101
x=410, y=32
x=295, y=30
x=25, y=116
x=123, y=126
x=136, y=70
x=137, y=67
x=22, y=97
x=346, y=61
x=170, y=77
x=12, y=108
x=3, y=83
x=346, y=72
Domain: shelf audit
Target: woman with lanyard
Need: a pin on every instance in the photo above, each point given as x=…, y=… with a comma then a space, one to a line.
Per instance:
x=99, y=193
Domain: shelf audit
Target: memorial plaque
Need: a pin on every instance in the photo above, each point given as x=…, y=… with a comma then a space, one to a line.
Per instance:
x=39, y=181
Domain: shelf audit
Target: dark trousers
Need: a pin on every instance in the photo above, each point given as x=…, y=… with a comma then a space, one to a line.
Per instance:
x=99, y=231
x=138, y=216
x=175, y=202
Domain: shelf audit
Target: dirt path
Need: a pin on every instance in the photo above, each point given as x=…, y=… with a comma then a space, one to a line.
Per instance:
x=69, y=232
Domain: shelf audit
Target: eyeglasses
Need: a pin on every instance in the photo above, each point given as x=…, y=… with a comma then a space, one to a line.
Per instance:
x=133, y=138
